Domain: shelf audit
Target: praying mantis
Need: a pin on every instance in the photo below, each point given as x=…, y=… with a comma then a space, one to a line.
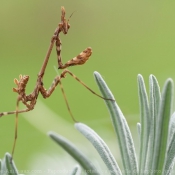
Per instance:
x=30, y=100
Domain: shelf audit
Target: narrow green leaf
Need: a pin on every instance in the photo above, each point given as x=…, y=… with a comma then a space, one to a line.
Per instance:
x=162, y=129
x=145, y=125
x=171, y=146
x=155, y=96
x=121, y=128
x=75, y=170
x=7, y=166
x=101, y=148
x=170, y=160
x=131, y=149
x=75, y=153
x=154, y=107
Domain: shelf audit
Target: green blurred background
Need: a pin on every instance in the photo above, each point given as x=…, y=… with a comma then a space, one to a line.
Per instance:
x=127, y=38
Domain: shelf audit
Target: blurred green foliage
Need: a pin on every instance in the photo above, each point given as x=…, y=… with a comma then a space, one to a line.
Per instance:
x=127, y=38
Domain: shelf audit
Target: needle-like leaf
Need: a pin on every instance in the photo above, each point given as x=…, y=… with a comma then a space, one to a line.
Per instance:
x=101, y=147
x=121, y=128
x=162, y=129
x=75, y=153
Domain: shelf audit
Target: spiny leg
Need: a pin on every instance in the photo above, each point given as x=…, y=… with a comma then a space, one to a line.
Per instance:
x=58, y=51
x=13, y=112
x=16, y=127
x=65, y=98
x=67, y=104
x=30, y=107
x=78, y=60
x=76, y=78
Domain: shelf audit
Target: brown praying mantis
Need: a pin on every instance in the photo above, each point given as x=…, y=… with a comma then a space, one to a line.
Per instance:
x=30, y=100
